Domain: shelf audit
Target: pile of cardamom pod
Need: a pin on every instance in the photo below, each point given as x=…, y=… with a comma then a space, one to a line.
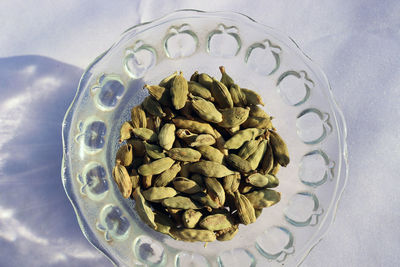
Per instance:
x=199, y=157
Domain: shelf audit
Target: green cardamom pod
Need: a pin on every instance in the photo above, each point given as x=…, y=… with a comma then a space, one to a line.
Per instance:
x=138, y=148
x=258, y=122
x=238, y=97
x=252, y=98
x=221, y=94
x=157, y=194
x=206, y=110
x=231, y=182
x=242, y=136
x=167, y=81
x=190, y=218
x=263, y=198
x=166, y=137
x=195, y=76
x=210, y=153
x=273, y=181
x=205, y=200
x=267, y=162
x=248, y=148
x=193, y=126
x=201, y=140
x=135, y=179
x=125, y=131
x=180, y=202
x=145, y=134
x=256, y=157
x=215, y=190
x=226, y=79
x=210, y=169
x=216, y=222
x=163, y=223
x=197, y=89
x=205, y=80
x=184, y=154
x=228, y=233
x=256, y=111
x=168, y=175
x=122, y=179
x=154, y=151
x=186, y=185
x=161, y=94
x=258, y=180
x=143, y=209
x=279, y=149
x=237, y=163
x=138, y=117
x=156, y=167
x=179, y=91
x=153, y=107
x=124, y=155
x=193, y=235
x=245, y=209
x=233, y=117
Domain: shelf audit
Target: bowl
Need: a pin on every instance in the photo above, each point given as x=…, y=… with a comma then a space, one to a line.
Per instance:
x=297, y=94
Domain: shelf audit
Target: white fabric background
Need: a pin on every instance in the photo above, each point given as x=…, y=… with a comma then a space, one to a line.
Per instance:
x=357, y=43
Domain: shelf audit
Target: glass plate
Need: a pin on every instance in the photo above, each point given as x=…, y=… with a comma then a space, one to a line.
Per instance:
x=296, y=93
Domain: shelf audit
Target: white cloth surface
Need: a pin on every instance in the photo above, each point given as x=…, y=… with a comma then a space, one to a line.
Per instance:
x=357, y=44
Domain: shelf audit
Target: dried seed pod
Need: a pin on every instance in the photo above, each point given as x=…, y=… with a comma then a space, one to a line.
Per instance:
x=258, y=122
x=186, y=185
x=245, y=188
x=184, y=154
x=258, y=212
x=125, y=131
x=252, y=98
x=144, y=209
x=233, y=117
x=205, y=200
x=256, y=157
x=147, y=180
x=221, y=94
x=215, y=190
x=267, y=162
x=256, y=111
x=205, y=80
x=193, y=126
x=228, y=233
x=206, y=110
x=273, y=181
x=248, y=148
x=193, y=235
x=263, y=198
x=238, y=97
x=157, y=194
x=154, y=151
x=168, y=175
x=190, y=218
x=179, y=91
x=237, y=163
x=153, y=107
x=220, y=142
x=258, y=180
x=231, y=182
x=167, y=82
x=216, y=222
x=156, y=167
x=194, y=77
x=211, y=153
x=145, y=134
x=201, y=140
x=138, y=117
x=275, y=169
x=210, y=169
x=242, y=136
x=180, y=202
x=226, y=79
x=161, y=94
x=166, y=137
x=122, y=179
x=163, y=223
x=124, y=155
x=197, y=89
x=279, y=149
x=245, y=209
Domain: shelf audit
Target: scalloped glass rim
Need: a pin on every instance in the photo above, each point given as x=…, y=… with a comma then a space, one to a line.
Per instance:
x=338, y=119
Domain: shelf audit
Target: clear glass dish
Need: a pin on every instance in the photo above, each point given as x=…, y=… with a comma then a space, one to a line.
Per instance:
x=296, y=93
